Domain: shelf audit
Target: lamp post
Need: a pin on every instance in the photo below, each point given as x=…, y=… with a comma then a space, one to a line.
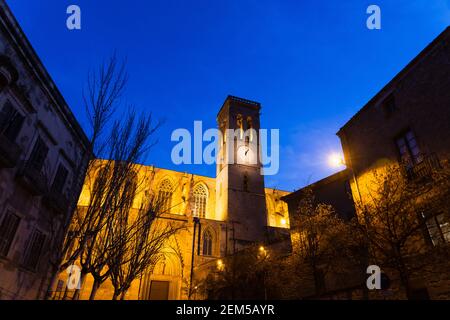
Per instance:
x=196, y=221
x=263, y=255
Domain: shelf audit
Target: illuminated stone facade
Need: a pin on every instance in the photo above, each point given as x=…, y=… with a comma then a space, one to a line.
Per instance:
x=234, y=210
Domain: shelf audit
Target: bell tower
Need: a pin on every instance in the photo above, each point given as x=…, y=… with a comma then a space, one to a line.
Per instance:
x=240, y=198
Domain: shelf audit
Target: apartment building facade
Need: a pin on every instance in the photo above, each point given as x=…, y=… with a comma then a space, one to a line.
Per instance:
x=43, y=158
x=406, y=125
x=407, y=122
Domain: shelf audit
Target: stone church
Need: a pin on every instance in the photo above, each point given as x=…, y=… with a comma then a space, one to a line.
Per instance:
x=222, y=215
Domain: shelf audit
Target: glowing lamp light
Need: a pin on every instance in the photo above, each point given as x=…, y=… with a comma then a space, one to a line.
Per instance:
x=335, y=160
x=283, y=222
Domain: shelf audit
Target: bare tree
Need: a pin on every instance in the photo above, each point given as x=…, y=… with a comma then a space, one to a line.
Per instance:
x=141, y=238
x=124, y=143
x=112, y=193
x=393, y=224
x=101, y=98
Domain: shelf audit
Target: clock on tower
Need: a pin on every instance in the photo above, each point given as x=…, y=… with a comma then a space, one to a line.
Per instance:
x=240, y=198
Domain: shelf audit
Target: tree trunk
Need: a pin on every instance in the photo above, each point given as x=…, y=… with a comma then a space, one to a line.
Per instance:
x=94, y=289
x=402, y=270
x=64, y=297
x=318, y=279
x=404, y=278
x=76, y=295
x=115, y=295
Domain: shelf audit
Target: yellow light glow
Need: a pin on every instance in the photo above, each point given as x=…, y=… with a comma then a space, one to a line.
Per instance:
x=283, y=222
x=335, y=160
x=261, y=248
x=220, y=265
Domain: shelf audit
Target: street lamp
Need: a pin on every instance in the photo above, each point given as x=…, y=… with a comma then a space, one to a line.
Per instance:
x=335, y=160
x=262, y=256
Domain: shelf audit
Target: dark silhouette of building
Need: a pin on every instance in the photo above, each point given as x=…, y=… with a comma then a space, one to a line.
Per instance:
x=43, y=158
x=333, y=190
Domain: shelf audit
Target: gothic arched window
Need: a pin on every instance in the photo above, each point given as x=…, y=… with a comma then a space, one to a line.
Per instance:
x=207, y=243
x=200, y=196
x=165, y=196
x=240, y=125
x=128, y=190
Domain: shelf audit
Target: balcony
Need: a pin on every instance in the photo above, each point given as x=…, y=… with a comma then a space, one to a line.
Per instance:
x=32, y=179
x=422, y=171
x=9, y=152
x=56, y=201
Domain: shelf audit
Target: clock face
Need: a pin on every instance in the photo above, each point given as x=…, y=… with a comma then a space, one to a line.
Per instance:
x=245, y=155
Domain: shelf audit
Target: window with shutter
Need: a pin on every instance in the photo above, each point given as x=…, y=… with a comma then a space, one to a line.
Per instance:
x=34, y=249
x=60, y=179
x=8, y=230
x=38, y=155
x=11, y=121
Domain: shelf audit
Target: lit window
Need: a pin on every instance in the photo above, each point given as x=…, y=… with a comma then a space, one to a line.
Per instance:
x=200, y=196
x=438, y=228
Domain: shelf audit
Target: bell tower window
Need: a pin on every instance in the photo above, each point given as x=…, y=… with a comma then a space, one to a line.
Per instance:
x=240, y=125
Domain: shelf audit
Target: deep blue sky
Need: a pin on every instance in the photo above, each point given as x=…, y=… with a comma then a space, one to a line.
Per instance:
x=311, y=65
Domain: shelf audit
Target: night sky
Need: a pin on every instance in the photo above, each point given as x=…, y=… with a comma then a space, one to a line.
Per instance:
x=311, y=65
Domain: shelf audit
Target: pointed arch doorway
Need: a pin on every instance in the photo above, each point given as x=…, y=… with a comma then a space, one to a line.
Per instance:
x=163, y=282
